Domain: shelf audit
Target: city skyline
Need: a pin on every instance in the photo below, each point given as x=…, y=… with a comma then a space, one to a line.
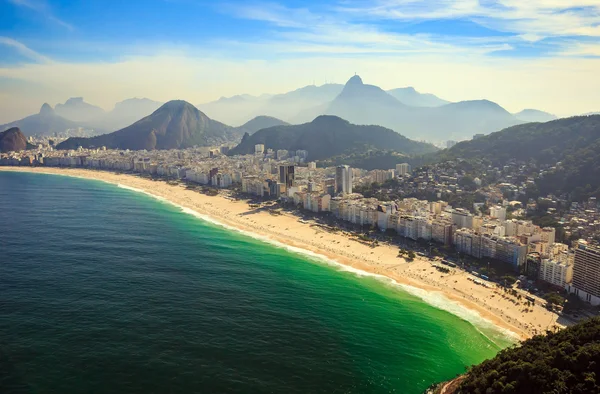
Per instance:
x=541, y=55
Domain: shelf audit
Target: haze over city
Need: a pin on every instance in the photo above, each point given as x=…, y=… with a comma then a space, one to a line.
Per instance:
x=541, y=54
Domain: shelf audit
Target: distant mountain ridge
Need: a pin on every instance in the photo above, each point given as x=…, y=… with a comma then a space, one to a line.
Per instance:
x=77, y=110
x=328, y=136
x=367, y=104
x=44, y=123
x=534, y=115
x=175, y=125
x=410, y=96
x=261, y=122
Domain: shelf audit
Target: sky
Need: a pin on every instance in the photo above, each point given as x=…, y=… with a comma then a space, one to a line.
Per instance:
x=542, y=54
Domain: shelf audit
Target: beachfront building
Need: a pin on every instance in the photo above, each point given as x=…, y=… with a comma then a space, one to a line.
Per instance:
x=556, y=272
x=287, y=175
x=343, y=179
x=586, y=273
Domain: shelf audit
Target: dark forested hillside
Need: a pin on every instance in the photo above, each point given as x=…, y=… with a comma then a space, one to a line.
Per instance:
x=564, y=362
x=570, y=146
x=329, y=136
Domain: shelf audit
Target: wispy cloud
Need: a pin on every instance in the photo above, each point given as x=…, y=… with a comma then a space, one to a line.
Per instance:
x=41, y=7
x=367, y=26
x=24, y=50
x=300, y=30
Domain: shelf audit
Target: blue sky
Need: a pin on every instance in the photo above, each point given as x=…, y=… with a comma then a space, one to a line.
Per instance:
x=200, y=50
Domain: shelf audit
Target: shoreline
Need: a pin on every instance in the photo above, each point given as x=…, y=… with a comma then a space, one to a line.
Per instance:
x=477, y=304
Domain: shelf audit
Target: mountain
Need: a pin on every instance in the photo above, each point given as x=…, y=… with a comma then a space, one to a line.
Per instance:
x=534, y=115
x=261, y=122
x=234, y=110
x=239, y=109
x=562, y=362
x=175, y=125
x=125, y=113
x=328, y=136
x=570, y=145
x=78, y=110
x=368, y=104
x=13, y=140
x=410, y=96
x=45, y=123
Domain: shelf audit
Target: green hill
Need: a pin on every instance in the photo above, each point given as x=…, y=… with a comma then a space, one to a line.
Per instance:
x=570, y=146
x=564, y=362
x=175, y=125
x=329, y=136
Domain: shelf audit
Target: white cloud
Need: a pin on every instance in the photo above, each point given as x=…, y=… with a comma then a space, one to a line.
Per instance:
x=23, y=49
x=41, y=7
x=534, y=18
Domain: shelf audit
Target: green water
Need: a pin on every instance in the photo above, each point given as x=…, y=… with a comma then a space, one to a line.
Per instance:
x=105, y=290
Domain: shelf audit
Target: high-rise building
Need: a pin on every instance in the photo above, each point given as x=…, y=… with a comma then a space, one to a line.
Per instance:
x=343, y=179
x=498, y=212
x=259, y=149
x=286, y=175
x=402, y=169
x=586, y=273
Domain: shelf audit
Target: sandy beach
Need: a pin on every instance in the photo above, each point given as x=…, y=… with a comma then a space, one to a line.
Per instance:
x=491, y=304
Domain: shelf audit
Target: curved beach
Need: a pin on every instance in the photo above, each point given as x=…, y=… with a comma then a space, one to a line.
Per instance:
x=470, y=301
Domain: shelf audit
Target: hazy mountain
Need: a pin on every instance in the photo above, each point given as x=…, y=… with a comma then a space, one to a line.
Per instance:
x=44, y=123
x=13, y=140
x=239, y=109
x=125, y=113
x=328, y=136
x=78, y=110
x=534, y=115
x=234, y=110
x=367, y=104
x=261, y=122
x=175, y=125
x=410, y=96
x=572, y=142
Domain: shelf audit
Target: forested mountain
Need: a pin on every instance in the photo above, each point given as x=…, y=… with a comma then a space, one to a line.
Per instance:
x=177, y=124
x=562, y=362
x=329, y=136
x=571, y=146
x=13, y=140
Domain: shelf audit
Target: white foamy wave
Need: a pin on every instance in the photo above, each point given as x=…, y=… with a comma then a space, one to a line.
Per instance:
x=433, y=298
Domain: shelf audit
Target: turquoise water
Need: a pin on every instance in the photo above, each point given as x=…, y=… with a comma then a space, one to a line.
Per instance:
x=105, y=290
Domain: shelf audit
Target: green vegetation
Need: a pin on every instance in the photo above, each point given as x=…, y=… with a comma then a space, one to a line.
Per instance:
x=368, y=159
x=566, y=361
x=329, y=136
x=570, y=146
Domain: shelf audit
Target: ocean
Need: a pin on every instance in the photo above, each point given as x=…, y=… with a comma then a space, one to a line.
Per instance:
x=106, y=290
